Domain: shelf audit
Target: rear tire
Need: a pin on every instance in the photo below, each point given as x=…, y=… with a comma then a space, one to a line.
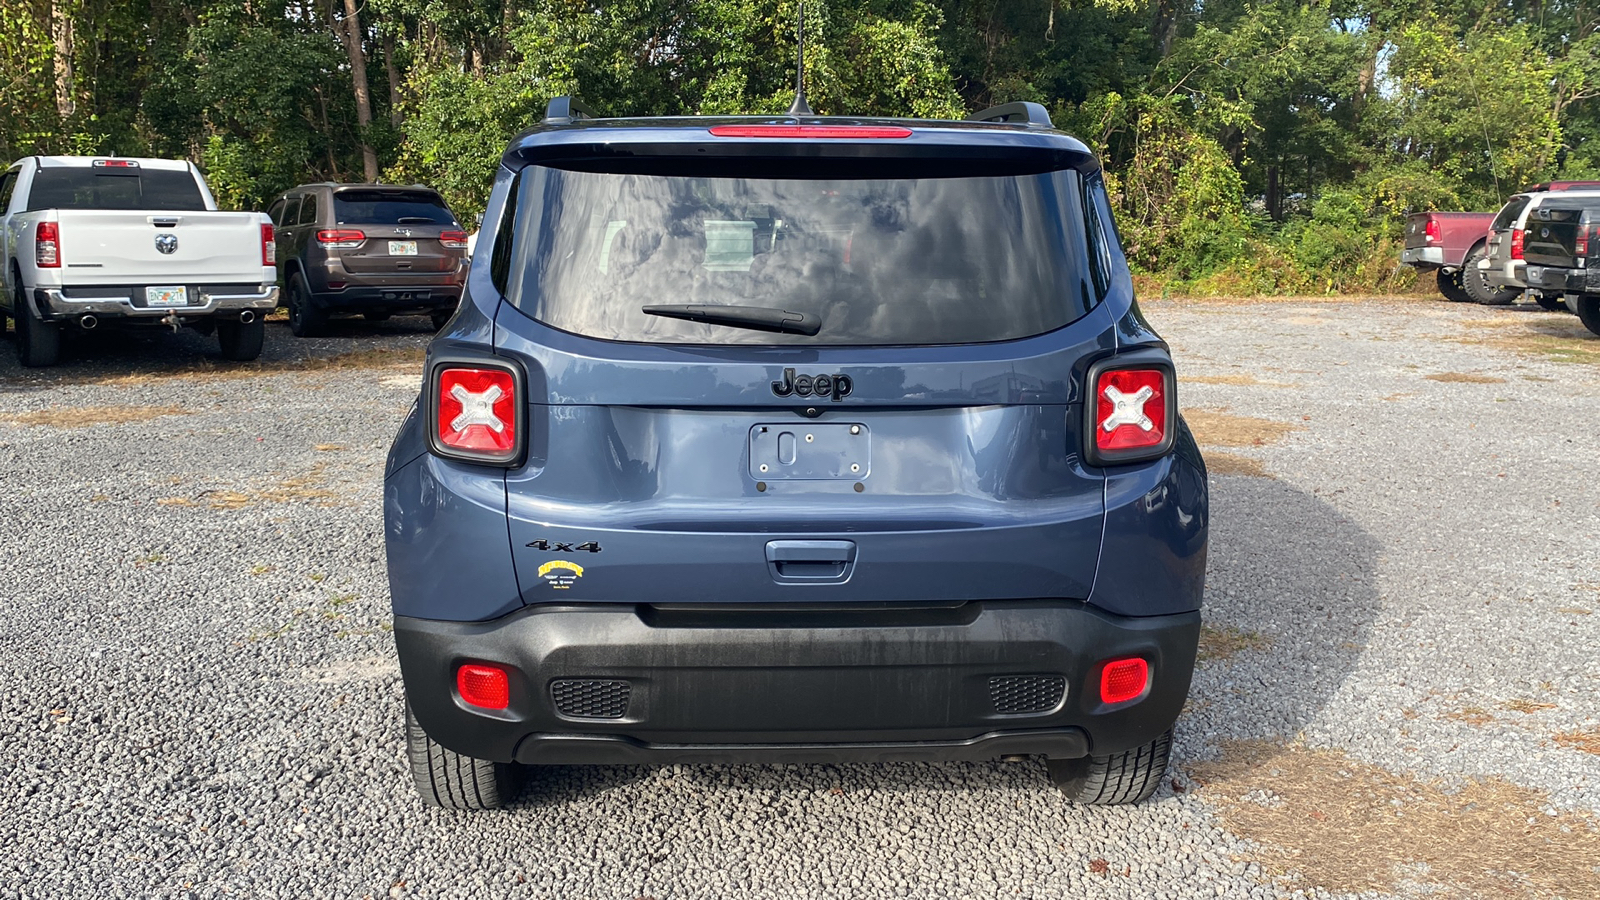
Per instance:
x=1589, y=311
x=449, y=780
x=1554, y=304
x=1450, y=286
x=1116, y=778
x=38, y=343
x=441, y=318
x=305, y=319
x=1476, y=283
x=241, y=341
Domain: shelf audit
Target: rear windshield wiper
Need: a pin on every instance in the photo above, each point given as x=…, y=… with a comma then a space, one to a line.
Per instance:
x=756, y=318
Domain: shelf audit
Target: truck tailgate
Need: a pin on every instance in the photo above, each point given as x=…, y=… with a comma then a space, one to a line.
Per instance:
x=141, y=247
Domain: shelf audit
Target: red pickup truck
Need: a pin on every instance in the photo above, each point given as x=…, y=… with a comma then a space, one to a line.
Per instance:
x=1450, y=244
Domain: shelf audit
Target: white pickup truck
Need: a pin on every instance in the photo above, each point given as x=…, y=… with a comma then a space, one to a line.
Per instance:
x=91, y=240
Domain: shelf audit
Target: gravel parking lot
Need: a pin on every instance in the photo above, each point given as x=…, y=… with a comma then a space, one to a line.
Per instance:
x=1399, y=693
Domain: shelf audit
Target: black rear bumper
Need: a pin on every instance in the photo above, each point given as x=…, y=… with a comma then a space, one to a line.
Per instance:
x=1563, y=280
x=715, y=684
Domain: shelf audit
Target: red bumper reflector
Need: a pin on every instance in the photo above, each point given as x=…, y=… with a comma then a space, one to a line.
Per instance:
x=485, y=687
x=1122, y=680
x=846, y=132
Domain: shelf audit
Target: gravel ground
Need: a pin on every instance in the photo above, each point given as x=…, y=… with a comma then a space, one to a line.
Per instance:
x=201, y=698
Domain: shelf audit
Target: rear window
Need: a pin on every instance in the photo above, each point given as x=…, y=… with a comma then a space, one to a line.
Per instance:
x=390, y=208
x=879, y=261
x=1507, y=218
x=80, y=187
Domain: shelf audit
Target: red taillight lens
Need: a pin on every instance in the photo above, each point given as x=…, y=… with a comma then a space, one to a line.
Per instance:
x=477, y=414
x=341, y=237
x=1516, y=243
x=826, y=132
x=269, y=246
x=1130, y=409
x=485, y=687
x=1122, y=680
x=47, y=246
x=1432, y=233
x=455, y=240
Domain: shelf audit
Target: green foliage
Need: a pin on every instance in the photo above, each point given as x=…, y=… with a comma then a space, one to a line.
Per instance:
x=1251, y=145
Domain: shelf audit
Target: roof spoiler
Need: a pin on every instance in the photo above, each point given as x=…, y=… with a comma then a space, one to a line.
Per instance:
x=1025, y=113
x=564, y=110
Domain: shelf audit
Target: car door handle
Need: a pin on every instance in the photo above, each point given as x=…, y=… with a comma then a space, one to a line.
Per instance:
x=811, y=562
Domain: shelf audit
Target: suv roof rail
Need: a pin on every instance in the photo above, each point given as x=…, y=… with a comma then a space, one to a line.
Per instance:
x=566, y=108
x=1025, y=112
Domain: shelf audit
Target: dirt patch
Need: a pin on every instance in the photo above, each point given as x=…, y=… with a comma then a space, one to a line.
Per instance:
x=1587, y=741
x=80, y=416
x=299, y=489
x=1464, y=378
x=1528, y=707
x=1220, y=463
x=1325, y=821
x=1219, y=428
x=1225, y=642
x=1472, y=715
x=204, y=371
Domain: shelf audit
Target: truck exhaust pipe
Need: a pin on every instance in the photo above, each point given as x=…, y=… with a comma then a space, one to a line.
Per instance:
x=88, y=322
x=246, y=317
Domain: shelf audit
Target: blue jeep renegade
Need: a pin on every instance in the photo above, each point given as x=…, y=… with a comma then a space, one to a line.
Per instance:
x=795, y=438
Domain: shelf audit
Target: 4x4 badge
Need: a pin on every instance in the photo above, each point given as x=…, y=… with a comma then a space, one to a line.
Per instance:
x=836, y=386
x=559, y=547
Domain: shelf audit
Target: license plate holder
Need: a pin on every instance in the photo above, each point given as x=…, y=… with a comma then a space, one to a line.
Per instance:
x=165, y=297
x=814, y=452
x=402, y=248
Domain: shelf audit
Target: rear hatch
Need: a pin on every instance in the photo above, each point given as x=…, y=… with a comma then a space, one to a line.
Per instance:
x=1551, y=235
x=1417, y=230
x=1499, y=252
x=922, y=445
x=130, y=224
x=406, y=231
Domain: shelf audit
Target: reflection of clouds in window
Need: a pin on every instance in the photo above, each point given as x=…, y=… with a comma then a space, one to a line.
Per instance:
x=951, y=260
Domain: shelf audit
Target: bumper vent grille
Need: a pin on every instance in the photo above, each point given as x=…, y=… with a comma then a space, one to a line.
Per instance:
x=585, y=699
x=1021, y=694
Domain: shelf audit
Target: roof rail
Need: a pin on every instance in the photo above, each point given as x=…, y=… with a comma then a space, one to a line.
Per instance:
x=1026, y=113
x=565, y=109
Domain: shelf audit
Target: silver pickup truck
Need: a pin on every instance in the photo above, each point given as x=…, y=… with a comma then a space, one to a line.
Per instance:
x=89, y=241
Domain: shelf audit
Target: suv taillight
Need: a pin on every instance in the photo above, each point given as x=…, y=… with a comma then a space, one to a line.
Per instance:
x=341, y=237
x=455, y=240
x=1432, y=233
x=1585, y=235
x=477, y=412
x=269, y=246
x=47, y=246
x=1133, y=411
x=1516, y=243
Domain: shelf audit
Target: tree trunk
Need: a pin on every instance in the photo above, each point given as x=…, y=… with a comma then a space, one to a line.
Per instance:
x=1274, y=201
x=61, y=29
x=396, y=114
x=358, y=76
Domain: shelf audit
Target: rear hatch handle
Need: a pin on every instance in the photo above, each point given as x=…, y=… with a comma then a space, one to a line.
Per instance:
x=811, y=562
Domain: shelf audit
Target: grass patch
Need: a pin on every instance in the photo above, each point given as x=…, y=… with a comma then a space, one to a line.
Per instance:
x=1332, y=823
x=1464, y=378
x=1527, y=707
x=1226, y=642
x=1242, y=379
x=80, y=416
x=1556, y=338
x=1586, y=741
x=1472, y=715
x=299, y=489
x=1219, y=428
x=1221, y=463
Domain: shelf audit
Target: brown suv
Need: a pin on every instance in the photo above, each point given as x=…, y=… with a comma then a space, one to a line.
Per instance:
x=374, y=249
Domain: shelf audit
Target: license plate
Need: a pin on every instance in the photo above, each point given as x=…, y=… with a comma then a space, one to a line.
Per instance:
x=166, y=296
x=780, y=452
x=402, y=248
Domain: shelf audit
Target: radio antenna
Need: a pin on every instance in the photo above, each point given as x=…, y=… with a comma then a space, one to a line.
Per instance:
x=800, y=106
